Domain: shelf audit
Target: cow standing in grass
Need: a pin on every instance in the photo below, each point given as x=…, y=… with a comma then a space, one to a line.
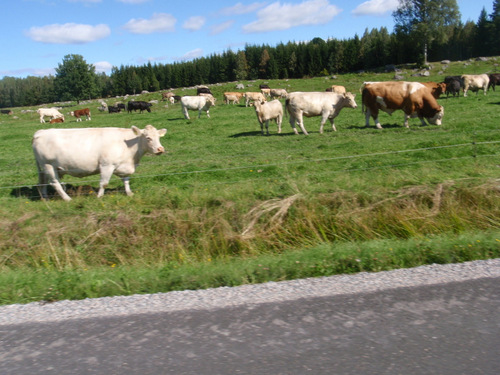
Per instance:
x=272, y=110
x=324, y=104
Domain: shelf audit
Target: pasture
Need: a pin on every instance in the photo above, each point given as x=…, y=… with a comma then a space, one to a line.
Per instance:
x=225, y=205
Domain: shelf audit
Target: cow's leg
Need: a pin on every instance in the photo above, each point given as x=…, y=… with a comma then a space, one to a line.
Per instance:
x=126, y=183
x=422, y=120
x=279, y=119
x=42, y=120
x=293, y=121
x=406, y=120
x=185, y=112
x=53, y=176
x=300, y=120
x=267, y=127
x=42, y=183
x=106, y=173
x=208, y=113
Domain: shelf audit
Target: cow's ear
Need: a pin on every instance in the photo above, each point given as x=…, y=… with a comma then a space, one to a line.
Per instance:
x=136, y=130
x=162, y=132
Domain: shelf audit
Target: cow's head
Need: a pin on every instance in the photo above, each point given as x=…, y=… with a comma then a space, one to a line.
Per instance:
x=436, y=119
x=151, y=136
x=350, y=100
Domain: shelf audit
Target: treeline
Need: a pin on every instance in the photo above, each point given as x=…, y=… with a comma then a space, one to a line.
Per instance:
x=376, y=48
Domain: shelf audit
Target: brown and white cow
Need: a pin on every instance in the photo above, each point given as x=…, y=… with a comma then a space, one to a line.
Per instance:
x=81, y=112
x=89, y=151
x=437, y=89
x=475, y=82
x=324, y=104
x=167, y=95
x=253, y=96
x=272, y=110
x=56, y=120
x=413, y=98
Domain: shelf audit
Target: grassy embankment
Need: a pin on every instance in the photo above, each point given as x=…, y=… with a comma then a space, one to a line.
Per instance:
x=226, y=206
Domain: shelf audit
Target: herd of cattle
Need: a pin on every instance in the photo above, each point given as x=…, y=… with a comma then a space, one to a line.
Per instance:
x=108, y=151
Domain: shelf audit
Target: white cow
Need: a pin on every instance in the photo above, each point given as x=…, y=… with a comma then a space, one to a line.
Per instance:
x=278, y=93
x=475, y=82
x=196, y=103
x=82, y=152
x=253, y=96
x=272, y=110
x=51, y=112
x=324, y=104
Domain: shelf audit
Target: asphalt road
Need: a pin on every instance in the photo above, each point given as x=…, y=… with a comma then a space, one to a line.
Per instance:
x=451, y=328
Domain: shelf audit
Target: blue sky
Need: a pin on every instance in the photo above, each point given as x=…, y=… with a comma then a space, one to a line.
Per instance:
x=37, y=34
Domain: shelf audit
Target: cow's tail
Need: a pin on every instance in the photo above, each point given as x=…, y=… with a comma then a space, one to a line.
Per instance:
x=363, y=94
x=287, y=103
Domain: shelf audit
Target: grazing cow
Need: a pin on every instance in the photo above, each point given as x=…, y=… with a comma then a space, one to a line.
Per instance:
x=233, y=97
x=50, y=112
x=266, y=92
x=56, y=120
x=177, y=98
x=166, y=95
x=436, y=88
x=114, y=109
x=88, y=151
x=453, y=87
x=253, y=96
x=337, y=89
x=278, y=94
x=475, y=82
x=203, y=90
x=264, y=86
x=411, y=97
x=141, y=106
x=81, y=112
x=6, y=112
x=272, y=110
x=196, y=103
x=121, y=106
x=494, y=80
x=324, y=104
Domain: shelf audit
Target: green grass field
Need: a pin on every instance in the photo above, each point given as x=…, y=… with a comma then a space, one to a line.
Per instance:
x=225, y=205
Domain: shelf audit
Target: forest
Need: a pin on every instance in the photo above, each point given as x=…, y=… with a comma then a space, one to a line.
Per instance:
x=373, y=51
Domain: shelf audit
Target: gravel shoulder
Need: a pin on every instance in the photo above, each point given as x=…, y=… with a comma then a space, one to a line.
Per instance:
x=217, y=298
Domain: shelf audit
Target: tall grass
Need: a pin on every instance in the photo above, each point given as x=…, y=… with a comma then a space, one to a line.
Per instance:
x=226, y=197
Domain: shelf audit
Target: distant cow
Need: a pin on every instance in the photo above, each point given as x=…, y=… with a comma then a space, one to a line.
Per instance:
x=56, y=120
x=89, y=151
x=6, y=112
x=114, y=109
x=266, y=92
x=196, y=103
x=81, y=112
x=272, y=110
x=324, y=104
x=49, y=112
x=253, y=96
x=139, y=105
x=166, y=95
x=436, y=88
x=203, y=90
x=337, y=89
x=453, y=87
x=233, y=97
x=278, y=94
x=121, y=106
x=411, y=97
x=475, y=82
x=494, y=81
x=264, y=86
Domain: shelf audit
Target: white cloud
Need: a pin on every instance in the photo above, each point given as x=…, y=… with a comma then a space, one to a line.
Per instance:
x=103, y=67
x=239, y=9
x=376, y=7
x=194, y=23
x=160, y=22
x=198, y=52
x=69, y=33
x=217, y=29
x=283, y=17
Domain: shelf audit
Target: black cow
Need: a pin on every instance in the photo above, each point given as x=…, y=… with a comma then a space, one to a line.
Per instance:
x=264, y=86
x=121, y=106
x=453, y=85
x=6, y=112
x=177, y=98
x=113, y=109
x=203, y=90
x=494, y=81
x=141, y=106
